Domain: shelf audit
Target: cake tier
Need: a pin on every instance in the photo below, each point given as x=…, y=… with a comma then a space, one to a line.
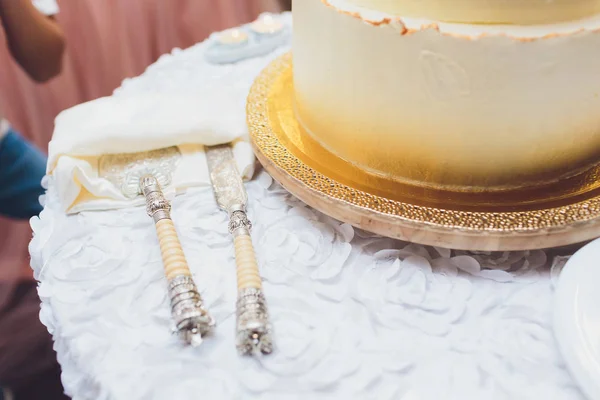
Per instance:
x=448, y=105
x=487, y=11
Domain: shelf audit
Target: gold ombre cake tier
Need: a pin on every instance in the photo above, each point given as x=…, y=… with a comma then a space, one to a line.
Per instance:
x=446, y=105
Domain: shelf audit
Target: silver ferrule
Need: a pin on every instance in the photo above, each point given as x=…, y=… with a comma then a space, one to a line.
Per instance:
x=157, y=206
x=252, y=325
x=236, y=207
x=192, y=320
x=239, y=224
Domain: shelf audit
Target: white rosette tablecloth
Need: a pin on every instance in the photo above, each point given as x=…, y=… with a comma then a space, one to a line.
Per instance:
x=356, y=316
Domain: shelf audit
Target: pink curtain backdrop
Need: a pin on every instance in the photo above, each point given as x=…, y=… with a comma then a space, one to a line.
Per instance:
x=108, y=40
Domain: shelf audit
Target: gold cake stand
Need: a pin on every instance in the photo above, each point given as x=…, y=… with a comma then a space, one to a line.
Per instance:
x=544, y=216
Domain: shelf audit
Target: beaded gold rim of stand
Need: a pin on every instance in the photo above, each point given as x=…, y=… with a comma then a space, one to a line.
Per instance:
x=268, y=145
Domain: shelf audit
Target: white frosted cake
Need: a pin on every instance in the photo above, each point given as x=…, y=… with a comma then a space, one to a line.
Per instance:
x=461, y=94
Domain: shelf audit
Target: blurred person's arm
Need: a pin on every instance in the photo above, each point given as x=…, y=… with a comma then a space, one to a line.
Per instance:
x=35, y=40
x=286, y=5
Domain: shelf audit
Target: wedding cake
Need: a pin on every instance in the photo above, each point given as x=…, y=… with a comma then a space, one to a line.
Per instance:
x=460, y=95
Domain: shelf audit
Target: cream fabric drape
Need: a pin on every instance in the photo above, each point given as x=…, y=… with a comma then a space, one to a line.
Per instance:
x=108, y=40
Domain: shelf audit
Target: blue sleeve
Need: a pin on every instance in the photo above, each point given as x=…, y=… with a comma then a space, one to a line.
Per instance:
x=22, y=167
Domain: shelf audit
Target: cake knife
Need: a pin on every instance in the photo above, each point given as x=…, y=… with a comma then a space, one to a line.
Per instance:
x=253, y=330
x=143, y=174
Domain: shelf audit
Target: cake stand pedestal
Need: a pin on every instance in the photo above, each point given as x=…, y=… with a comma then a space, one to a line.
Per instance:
x=554, y=215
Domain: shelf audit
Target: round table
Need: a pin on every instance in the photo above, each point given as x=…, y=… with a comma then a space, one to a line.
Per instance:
x=355, y=316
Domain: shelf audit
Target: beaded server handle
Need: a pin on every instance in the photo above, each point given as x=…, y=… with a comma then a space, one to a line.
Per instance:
x=144, y=173
x=192, y=321
x=253, y=330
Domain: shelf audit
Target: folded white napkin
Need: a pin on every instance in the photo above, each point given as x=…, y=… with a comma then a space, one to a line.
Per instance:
x=136, y=123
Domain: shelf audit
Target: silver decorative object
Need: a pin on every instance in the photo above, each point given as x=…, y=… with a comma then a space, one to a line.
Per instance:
x=143, y=174
x=253, y=330
x=192, y=321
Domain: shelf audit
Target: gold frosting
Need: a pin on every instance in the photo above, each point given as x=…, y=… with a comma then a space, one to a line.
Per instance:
x=500, y=109
x=527, y=220
x=486, y=11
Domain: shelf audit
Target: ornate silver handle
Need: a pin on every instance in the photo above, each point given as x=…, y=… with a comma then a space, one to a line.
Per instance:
x=192, y=321
x=253, y=330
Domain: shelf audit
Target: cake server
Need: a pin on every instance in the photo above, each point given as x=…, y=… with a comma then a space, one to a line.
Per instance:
x=253, y=330
x=144, y=174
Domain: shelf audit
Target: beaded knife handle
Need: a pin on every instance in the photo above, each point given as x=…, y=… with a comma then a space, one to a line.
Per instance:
x=143, y=174
x=253, y=330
